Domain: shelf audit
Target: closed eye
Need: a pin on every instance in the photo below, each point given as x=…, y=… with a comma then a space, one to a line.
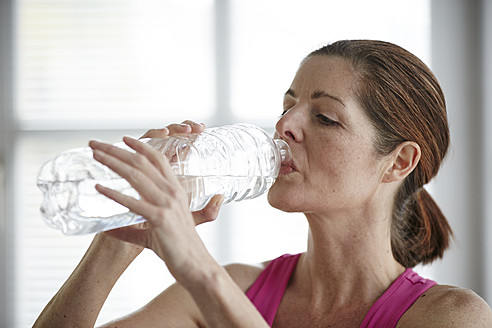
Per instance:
x=326, y=120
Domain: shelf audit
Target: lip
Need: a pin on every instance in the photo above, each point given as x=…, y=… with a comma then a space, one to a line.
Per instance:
x=287, y=167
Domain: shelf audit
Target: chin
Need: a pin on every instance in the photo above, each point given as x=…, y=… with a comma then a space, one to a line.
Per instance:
x=282, y=202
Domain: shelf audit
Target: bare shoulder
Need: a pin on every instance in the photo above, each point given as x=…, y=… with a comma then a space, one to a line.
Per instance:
x=245, y=274
x=448, y=306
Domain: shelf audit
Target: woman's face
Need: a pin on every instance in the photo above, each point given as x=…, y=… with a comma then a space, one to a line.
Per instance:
x=334, y=165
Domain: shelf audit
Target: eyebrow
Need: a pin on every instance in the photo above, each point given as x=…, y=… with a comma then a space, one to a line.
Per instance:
x=317, y=95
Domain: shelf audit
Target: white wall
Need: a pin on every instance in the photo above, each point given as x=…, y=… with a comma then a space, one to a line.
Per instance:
x=487, y=146
x=486, y=15
x=6, y=97
x=461, y=59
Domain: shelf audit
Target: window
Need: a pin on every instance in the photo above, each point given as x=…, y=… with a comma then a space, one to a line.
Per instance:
x=106, y=64
x=105, y=68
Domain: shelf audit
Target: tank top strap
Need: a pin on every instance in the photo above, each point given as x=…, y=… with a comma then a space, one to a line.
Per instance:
x=267, y=291
x=396, y=300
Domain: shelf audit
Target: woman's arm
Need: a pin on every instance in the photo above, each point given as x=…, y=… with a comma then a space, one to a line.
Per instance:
x=79, y=300
x=222, y=302
x=172, y=236
x=176, y=307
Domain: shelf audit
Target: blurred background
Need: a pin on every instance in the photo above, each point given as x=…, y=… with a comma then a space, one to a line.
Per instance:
x=74, y=70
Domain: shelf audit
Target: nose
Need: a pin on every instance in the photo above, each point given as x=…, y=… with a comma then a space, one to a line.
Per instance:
x=288, y=127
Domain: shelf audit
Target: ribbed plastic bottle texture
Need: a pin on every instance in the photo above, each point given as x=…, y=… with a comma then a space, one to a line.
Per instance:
x=239, y=161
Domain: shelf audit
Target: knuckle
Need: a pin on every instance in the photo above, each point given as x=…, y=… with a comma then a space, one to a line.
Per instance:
x=139, y=160
x=136, y=176
x=211, y=216
x=192, y=124
x=173, y=192
x=174, y=126
x=161, y=212
x=208, y=214
x=148, y=133
x=156, y=133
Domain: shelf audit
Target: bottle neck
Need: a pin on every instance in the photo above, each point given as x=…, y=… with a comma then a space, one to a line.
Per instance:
x=284, y=150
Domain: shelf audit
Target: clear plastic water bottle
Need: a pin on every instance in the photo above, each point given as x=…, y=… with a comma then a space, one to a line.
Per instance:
x=238, y=161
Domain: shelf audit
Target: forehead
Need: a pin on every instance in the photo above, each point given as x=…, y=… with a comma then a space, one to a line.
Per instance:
x=330, y=74
x=335, y=76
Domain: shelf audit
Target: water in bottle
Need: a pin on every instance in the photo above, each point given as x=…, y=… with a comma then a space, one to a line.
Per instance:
x=238, y=161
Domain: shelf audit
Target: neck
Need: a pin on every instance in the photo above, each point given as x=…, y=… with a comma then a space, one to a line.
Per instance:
x=348, y=259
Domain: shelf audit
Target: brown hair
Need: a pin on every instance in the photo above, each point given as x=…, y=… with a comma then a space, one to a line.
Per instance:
x=404, y=102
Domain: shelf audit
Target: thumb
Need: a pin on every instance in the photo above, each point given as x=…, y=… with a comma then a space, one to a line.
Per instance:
x=209, y=212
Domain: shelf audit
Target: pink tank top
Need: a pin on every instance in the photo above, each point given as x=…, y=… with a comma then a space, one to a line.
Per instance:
x=268, y=289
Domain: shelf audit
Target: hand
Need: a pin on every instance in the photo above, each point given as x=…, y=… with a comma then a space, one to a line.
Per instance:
x=169, y=229
x=184, y=128
x=211, y=211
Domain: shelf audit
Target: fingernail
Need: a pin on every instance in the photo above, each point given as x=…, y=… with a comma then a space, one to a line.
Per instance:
x=129, y=138
x=93, y=143
x=97, y=153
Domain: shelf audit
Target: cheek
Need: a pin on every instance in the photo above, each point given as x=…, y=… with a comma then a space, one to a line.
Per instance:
x=345, y=174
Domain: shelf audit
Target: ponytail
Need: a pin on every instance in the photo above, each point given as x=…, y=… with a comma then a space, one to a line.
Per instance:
x=420, y=232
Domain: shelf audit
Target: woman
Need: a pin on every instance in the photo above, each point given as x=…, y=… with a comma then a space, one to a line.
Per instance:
x=367, y=126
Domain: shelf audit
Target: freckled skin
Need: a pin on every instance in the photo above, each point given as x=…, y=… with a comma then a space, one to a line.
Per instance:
x=336, y=164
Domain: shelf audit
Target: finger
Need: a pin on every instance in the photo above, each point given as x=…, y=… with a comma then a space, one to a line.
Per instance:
x=156, y=133
x=169, y=130
x=152, y=161
x=157, y=159
x=110, y=149
x=138, y=206
x=187, y=126
x=147, y=170
x=182, y=128
x=145, y=179
x=195, y=127
x=209, y=212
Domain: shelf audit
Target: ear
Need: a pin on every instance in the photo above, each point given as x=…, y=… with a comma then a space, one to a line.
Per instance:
x=403, y=161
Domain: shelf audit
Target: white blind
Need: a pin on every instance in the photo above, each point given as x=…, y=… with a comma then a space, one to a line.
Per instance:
x=285, y=31
x=109, y=63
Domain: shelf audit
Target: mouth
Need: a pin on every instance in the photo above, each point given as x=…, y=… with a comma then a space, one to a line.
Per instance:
x=287, y=167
